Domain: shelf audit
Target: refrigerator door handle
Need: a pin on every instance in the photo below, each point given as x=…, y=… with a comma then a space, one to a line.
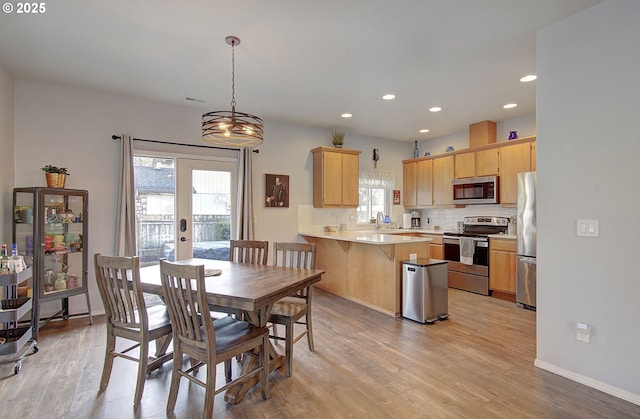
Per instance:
x=527, y=260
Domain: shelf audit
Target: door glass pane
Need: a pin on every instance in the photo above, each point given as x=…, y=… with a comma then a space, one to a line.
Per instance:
x=155, y=208
x=211, y=214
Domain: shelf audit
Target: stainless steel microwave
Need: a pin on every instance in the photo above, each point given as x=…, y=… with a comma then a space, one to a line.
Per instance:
x=477, y=190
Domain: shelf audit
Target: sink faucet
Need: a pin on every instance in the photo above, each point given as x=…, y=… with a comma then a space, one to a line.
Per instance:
x=379, y=220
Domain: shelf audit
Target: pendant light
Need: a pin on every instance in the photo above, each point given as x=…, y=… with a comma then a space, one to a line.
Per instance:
x=231, y=128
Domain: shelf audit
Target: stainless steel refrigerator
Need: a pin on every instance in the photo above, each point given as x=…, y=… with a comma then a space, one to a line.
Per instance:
x=527, y=237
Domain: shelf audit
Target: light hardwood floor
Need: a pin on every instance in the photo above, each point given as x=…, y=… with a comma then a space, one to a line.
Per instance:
x=477, y=364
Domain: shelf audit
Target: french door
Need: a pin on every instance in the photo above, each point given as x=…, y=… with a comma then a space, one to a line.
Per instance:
x=184, y=207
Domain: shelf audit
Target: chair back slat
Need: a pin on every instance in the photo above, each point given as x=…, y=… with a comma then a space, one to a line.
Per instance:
x=188, y=307
x=118, y=280
x=294, y=255
x=249, y=251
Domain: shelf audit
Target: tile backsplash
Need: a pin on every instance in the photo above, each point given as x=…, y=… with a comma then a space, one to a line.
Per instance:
x=447, y=218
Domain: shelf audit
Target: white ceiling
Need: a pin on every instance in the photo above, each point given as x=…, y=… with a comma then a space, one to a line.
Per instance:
x=304, y=62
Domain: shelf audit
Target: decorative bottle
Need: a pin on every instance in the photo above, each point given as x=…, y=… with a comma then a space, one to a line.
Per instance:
x=416, y=153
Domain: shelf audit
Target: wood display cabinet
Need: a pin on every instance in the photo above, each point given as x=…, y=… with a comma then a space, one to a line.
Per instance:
x=50, y=229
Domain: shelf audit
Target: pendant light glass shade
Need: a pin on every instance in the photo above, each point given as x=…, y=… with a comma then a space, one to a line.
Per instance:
x=232, y=128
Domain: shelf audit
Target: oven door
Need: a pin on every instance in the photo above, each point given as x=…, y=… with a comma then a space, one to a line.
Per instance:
x=480, y=254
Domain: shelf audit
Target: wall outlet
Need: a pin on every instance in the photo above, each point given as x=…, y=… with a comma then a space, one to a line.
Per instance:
x=583, y=332
x=413, y=256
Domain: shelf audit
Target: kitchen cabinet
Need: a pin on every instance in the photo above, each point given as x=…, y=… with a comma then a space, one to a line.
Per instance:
x=335, y=177
x=50, y=226
x=502, y=268
x=533, y=156
x=409, y=176
x=514, y=159
x=417, y=183
x=436, y=245
x=443, y=173
x=476, y=163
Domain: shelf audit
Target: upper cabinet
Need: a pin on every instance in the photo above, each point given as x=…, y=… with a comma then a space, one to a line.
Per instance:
x=427, y=180
x=443, y=168
x=476, y=163
x=335, y=177
x=514, y=159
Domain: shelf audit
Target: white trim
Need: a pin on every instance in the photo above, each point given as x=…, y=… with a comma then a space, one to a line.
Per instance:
x=590, y=382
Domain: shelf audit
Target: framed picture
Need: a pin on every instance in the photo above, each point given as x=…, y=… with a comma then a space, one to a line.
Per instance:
x=396, y=197
x=276, y=191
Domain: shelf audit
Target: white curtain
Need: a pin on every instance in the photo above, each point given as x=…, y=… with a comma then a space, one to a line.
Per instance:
x=244, y=207
x=377, y=179
x=126, y=217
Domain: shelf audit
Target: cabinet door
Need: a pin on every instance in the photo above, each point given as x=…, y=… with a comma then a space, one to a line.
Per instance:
x=486, y=162
x=533, y=157
x=514, y=159
x=332, y=179
x=436, y=251
x=465, y=165
x=502, y=265
x=350, y=180
x=443, y=168
x=424, y=183
x=409, y=173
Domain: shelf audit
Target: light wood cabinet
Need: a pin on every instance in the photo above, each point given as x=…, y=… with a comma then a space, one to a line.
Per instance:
x=514, y=159
x=436, y=246
x=417, y=183
x=335, y=177
x=502, y=265
x=409, y=173
x=424, y=183
x=476, y=163
x=443, y=171
x=533, y=156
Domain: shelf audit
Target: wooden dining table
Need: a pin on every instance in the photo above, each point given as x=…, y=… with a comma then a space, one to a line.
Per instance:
x=248, y=287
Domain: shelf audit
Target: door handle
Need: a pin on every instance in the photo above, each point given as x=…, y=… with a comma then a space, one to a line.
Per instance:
x=530, y=261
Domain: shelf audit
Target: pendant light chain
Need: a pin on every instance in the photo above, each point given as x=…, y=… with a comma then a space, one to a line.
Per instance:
x=233, y=74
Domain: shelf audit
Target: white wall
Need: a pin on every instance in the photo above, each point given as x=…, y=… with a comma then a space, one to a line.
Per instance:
x=6, y=153
x=72, y=128
x=588, y=146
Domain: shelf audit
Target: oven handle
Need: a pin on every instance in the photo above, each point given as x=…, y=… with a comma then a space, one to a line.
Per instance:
x=480, y=241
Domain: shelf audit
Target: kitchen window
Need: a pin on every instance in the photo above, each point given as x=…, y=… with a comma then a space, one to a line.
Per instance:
x=376, y=194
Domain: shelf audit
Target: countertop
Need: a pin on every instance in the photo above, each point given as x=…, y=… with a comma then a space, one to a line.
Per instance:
x=378, y=237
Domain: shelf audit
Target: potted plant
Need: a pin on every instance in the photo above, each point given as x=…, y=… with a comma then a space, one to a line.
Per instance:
x=337, y=137
x=56, y=176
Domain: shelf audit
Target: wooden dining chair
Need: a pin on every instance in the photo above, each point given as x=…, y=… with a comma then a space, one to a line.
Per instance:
x=207, y=341
x=249, y=251
x=128, y=318
x=290, y=310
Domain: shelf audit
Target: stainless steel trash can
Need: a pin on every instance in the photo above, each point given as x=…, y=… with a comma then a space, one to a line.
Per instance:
x=425, y=291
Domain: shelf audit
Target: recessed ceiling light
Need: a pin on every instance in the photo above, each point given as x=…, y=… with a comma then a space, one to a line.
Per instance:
x=424, y=130
x=510, y=105
x=435, y=109
x=389, y=97
x=530, y=77
x=346, y=115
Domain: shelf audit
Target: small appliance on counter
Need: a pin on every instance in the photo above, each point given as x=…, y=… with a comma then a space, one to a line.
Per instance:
x=415, y=219
x=406, y=221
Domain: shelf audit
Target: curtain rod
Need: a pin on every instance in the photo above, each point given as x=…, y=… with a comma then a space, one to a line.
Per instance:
x=117, y=137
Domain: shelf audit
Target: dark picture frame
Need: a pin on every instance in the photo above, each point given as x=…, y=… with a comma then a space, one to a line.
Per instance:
x=276, y=189
x=396, y=197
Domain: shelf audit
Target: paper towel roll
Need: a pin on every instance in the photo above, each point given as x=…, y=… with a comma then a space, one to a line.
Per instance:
x=406, y=221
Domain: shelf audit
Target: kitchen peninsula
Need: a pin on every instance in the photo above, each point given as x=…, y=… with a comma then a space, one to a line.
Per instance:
x=366, y=266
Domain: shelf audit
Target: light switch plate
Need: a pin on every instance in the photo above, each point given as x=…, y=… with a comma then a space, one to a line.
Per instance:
x=587, y=228
x=583, y=332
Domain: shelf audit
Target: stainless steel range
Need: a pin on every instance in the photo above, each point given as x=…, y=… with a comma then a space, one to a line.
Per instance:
x=468, y=252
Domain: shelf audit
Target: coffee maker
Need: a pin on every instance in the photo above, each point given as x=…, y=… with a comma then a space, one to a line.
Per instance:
x=415, y=219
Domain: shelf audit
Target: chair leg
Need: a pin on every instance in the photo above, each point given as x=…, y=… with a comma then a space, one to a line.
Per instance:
x=288, y=345
x=227, y=370
x=175, y=378
x=264, y=361
x=210, y=391
x=108, y=359
x=309, y=327
x=143, y=359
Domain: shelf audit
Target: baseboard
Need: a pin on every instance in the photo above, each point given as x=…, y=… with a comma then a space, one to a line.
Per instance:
x=590, y=382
